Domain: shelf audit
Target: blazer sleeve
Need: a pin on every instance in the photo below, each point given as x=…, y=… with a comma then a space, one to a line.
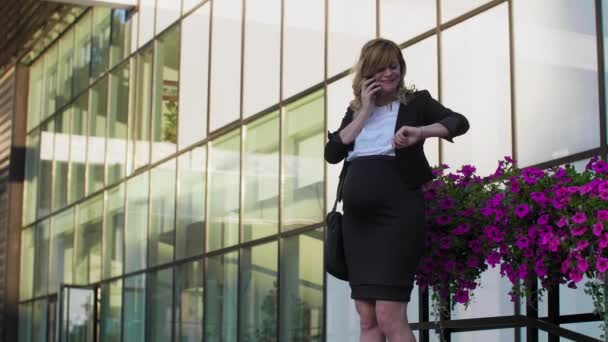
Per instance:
x=435, y=112
x=335, y=150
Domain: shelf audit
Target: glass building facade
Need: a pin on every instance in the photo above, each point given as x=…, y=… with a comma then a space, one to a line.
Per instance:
x=175, y=186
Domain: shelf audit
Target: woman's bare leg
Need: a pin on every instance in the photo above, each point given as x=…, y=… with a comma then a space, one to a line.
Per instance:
x=370, y=332
x=392, y=320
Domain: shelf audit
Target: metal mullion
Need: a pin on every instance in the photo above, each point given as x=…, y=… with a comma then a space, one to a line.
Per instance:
x=439, y=73
x=601, y=77
x=241, y=182
x=280, y=166
x=325, y=173
x=206, y=229
x=514, y=145
x=209, y=69
x=378, y=18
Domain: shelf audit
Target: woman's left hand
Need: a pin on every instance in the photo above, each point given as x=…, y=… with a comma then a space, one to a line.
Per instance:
x=407, y=136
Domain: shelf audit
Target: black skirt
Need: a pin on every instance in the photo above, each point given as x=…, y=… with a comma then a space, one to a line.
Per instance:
x=384, y=233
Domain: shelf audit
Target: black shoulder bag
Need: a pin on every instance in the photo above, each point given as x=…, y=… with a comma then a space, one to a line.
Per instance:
x=335, y=261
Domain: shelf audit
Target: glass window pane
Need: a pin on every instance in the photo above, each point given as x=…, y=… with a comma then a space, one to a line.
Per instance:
x=476, y=83
x=136, y=230
x=82, y=57
x=111, y=311
x=262, y=55
x=498, y=335
x=134, y=28
x=189, y=302
x=225, y=63
x=62, y=250
x=191, y=203
x=167, y=12
x=258, y=293
x=221, y=298
x=261, y=178
x=303, y=163
x=160, y=306
x=162, y=214
x=575, y=301
x=453, y=9
x=134, y=307
x=32, y=164
x=100, y=45
x=61, y=155
x=195, y=65
x=190, y=4
x=78, y=147
x=66, y=65
x=26, y=275
x=491, y=299
x=546, y=99
x=120, y=40
x=97, y=136
x=421, y=71
x=118, y=117
x=403, y=20
x=50, y=81
x=593, y=329
x=146, y=21
x=140, y=129
x=302, y=287
x=41, y=258
x=114, y=232
x=39, y=321
x=34, y=113
x=25, y=322
x=165, y=94
x=88, y=241
x=348, y=33
x=339, y=93
x=45, y=171
x=223, y=195
x=304, y=30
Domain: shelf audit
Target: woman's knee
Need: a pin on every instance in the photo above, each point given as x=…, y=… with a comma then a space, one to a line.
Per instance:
x=390, y=315
x=367, y=314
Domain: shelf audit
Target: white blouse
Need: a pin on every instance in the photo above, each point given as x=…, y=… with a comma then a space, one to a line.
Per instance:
x=377, y=134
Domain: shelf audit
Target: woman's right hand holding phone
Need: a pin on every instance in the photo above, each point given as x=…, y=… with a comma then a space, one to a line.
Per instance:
x=369, y=88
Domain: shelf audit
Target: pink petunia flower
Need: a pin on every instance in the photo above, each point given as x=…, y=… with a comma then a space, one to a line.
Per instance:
x=598, y=228
x=522, y=210
x=579, y=217
x=522, y=242
x=578, y=230
x=461, y=296
x=602, y=264
x=443, y=220
x=462, y=229
x=602, y=215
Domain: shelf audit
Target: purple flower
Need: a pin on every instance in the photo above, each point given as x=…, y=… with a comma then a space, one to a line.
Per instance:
x=602, y=264
x=475, y=246
x=544, y=219
x=598, y=228
x=585, y=189
x=510, y=160
x=600, y=167
x=461, y=296
x=582, y=245
x=528, y=253
x=449, y=265
x=579, y=218
x=445, y=242
x=461, y=229
x=514, y=187
x=540, y=268
x=443, y=220
x=578, y=230
x=604, y=195
x=531, y=175
x=522, y=242
x=472, y=262
x=522, y=210
x=493, y=259
x=602, y=215
x=583, y=265
x=538, y=197
x=560, y=173
x=468, y=212
x=575, y=275
x=603, y=241
x=496, y=199
x=467, y=170
x=563, y=221
x=446, y=203
x=522, y=271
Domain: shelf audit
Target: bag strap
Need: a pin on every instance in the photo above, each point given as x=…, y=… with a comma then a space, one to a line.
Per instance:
x=340, y=185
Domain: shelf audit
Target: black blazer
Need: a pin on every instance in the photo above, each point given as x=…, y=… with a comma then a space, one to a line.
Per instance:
x=421, y=110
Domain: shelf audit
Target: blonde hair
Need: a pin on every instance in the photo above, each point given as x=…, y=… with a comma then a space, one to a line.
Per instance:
x=376, y=55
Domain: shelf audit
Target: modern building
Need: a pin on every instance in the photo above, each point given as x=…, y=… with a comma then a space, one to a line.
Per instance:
x=161, y=161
